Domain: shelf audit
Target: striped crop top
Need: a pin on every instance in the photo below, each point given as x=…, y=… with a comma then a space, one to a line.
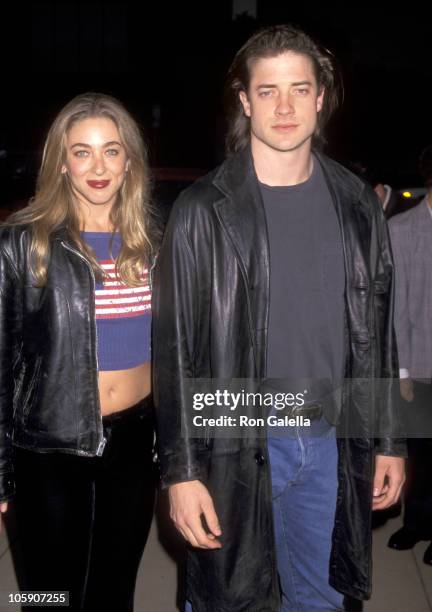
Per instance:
x=123, y=314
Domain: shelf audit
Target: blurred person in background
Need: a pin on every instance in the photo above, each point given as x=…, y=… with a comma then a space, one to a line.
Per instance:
x=391, y=200
x=76, y=412
x=411, y=237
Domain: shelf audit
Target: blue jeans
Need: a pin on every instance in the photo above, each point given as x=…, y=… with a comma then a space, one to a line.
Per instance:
x=304, y=487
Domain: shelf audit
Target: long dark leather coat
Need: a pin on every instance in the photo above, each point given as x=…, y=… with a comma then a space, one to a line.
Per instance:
x=49, y=397
x=210, y=309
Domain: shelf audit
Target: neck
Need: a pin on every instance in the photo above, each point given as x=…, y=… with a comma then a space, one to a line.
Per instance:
x=95, y=218
x=281, y=168
x=429, y=197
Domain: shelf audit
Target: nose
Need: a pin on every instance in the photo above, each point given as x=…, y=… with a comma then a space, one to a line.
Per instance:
x=98, y=164
x=285, y=105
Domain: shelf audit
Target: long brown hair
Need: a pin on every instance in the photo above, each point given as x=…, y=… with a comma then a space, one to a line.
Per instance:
x=54, y=204
x=270, y=42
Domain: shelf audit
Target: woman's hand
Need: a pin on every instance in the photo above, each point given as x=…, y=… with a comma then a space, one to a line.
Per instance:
x=3, y=508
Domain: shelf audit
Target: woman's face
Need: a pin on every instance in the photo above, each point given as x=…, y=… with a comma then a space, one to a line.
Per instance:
x=96, y=161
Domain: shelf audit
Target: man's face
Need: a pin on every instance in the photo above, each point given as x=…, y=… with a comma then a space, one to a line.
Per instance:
x=283, y=101
x=380, y=191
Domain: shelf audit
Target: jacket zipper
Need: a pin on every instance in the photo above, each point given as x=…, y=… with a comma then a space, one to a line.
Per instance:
x=102, y=439
x=152, y=267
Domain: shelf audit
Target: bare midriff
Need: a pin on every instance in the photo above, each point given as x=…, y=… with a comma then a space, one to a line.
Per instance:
x=120, y=389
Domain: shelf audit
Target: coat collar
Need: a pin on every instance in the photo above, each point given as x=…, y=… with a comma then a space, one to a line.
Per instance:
x=423, y=216
x=237, y=173
x=241, y=210
x=61, y=233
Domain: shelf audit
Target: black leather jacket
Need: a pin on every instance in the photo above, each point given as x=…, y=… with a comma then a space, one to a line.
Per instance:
x=49, y=398
x=210, y=313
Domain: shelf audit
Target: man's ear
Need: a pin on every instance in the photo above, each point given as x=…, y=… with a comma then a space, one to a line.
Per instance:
x=320, y=100
x=245, y=103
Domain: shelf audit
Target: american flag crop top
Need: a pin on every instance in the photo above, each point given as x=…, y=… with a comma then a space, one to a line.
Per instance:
x=123, y=314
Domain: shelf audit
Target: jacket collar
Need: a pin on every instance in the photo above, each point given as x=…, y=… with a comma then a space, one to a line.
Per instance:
x=235, y=172
x=238, y=171
x=423, y=216
x=345, y=184
x=61, y=233
x=241, y=212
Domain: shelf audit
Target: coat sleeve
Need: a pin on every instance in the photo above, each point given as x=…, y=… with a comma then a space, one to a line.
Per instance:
x=390, y=438
x=9, y=329
x=174, y=307
x=401, y=316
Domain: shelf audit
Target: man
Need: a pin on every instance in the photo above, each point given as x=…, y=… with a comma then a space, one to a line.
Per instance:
x=391, y=201
x=411, y=236
x=250, y=284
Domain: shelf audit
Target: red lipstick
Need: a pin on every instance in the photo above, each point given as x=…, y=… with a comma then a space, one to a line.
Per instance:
x=98, y=184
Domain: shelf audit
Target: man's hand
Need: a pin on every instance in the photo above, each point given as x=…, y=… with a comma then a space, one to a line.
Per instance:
x=188, y=502
x=388, y=481
x=406, y=389
x=3, y=508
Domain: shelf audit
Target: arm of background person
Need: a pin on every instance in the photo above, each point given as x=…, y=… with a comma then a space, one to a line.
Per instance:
x=390, y=448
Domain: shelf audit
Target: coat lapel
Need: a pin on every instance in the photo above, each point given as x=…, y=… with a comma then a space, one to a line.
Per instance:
x=354, y=221
x=241, y=213
x=242, y=216
x=423, y=219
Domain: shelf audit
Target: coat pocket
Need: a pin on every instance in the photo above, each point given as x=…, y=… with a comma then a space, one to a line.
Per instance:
x=29, y=386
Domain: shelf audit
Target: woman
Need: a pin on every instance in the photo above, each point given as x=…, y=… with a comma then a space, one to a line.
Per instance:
x=76, y=429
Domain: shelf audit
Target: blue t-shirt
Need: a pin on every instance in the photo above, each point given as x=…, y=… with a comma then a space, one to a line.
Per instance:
x=123, y=314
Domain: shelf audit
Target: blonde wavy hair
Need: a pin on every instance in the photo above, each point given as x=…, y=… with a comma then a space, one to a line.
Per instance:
x=54, y=204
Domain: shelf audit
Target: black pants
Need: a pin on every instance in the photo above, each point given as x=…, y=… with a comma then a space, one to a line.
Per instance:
x=83, y=521
x=418, y=489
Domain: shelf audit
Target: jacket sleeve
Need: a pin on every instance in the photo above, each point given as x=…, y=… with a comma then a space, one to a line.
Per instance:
x=401, y=316
x=174, y=307
x=390, y=438
x=9, y=326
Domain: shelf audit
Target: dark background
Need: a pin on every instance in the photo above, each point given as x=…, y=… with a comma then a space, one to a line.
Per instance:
x=166, y=61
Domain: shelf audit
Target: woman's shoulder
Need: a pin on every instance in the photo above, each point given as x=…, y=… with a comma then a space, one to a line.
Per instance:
x=14, y=231
x=14, y=238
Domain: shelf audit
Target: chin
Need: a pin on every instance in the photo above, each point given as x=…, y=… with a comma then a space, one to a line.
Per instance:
x=103, y=202
x=104, y=198
x=287, y=146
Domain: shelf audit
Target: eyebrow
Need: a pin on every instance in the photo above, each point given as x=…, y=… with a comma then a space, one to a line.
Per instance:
x=271, y=85
x=87, y=146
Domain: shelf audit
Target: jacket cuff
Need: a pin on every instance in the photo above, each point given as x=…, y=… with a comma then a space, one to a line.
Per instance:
x=391, y=447
x=174, y=474
x=7, y=486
